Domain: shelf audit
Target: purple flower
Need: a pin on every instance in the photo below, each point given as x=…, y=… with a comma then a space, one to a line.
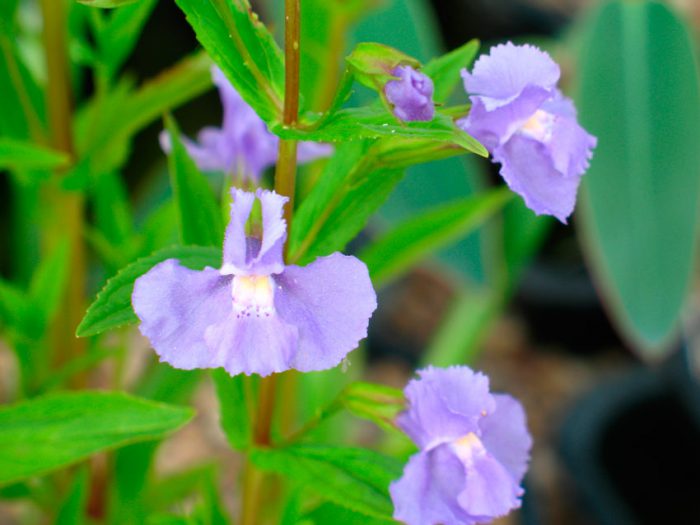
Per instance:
x=474, y=450
x=411, y=95
x=529, y=127
x=255, y=315
x=243, y=145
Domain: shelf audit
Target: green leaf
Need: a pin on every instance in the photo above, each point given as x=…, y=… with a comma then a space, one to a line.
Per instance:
x=377, y=403
x=234, y=415
x=243, y=48
x=375, y=122
x=112, y=307
x=445, y=70
x=17, y=154
x=121, y=31
x=413, y=240
x=72, y=512
x=354, y=478
x=106, y=126
x=200, y=219
x=328, y=513
x=15, y=307
x=45, y=434
x=639, y=95
x=109, y=4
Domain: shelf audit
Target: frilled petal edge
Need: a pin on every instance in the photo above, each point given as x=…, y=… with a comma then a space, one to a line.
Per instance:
x=330, y=301
x=175, y=306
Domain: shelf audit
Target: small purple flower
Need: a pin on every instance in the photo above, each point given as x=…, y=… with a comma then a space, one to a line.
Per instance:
x=243, y=145
x=474, y=450
x=411, y=95
x=256, y=315
x=528, y=126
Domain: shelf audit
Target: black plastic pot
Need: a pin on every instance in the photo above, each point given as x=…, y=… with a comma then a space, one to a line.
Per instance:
x=633, y=447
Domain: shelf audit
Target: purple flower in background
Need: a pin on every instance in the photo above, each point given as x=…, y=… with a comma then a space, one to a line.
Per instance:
x=474, y=450
x=411, y=95
x=243, y=145
x=528, y=126
x=256, y=315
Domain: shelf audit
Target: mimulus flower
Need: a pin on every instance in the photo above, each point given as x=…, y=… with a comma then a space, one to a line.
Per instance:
x=474, y=450
x=411, y=95
x=528, y=126
x=256, y=315
x=243, y=145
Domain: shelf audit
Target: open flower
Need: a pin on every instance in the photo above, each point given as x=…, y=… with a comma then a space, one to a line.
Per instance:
x=411, y=94
x=528, y=126
x=474, y=450
x=255, y=315
x=243, y=145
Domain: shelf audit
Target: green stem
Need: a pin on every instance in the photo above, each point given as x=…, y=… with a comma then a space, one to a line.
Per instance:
x=66, y=209
x=285, y=180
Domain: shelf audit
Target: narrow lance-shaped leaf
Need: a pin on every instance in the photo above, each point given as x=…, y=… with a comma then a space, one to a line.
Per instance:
x=639, y=95
x=112, y=307
x=243, y=48
x=48, y=433
x=200, y=220
x=17, y=154
x=437, y=228
x=107, y=4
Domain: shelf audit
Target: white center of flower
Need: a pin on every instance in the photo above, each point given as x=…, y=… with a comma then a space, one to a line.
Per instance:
x=469, y=448
x=253, y=295
x=539, y=126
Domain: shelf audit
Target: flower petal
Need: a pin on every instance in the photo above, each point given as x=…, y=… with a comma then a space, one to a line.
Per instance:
x=236, y=251
x=330, y=301
x=505, y=435
x=411, y=95
x=489, y=491
x=528, y=169
x=502, y=75
x=252, y=345
x=428, y=491
x=175, y=306
x=269, y=258
x=494, y=128
x=445, y=405
x=310, y=151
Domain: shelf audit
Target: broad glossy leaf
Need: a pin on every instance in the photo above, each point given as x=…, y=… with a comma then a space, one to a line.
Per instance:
x=407, y=244
x=112, y=307
x=48, y=433
x=200, y=218
x=351, y=477
x=639, y=95
x=445, y=70
x=16, y=154
x=243, y=48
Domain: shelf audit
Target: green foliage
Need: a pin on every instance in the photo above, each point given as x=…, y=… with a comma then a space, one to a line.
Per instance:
x=108, y=3
x=243, y=48
x=639, y=95
x=398, y=250
x=72, y=511
x=112, y=307
x=66, y=428
x=445, y=70
x=354, y=478
x=200, y=219
x=377, y=403
x=16, y=154
x=233, y=407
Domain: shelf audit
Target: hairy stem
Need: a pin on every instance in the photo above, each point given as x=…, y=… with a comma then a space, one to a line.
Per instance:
x=65, y=209
x=285, y=180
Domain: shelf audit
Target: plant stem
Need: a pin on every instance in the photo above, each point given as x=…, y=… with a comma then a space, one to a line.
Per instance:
x=66, y=209
x=285, y=180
